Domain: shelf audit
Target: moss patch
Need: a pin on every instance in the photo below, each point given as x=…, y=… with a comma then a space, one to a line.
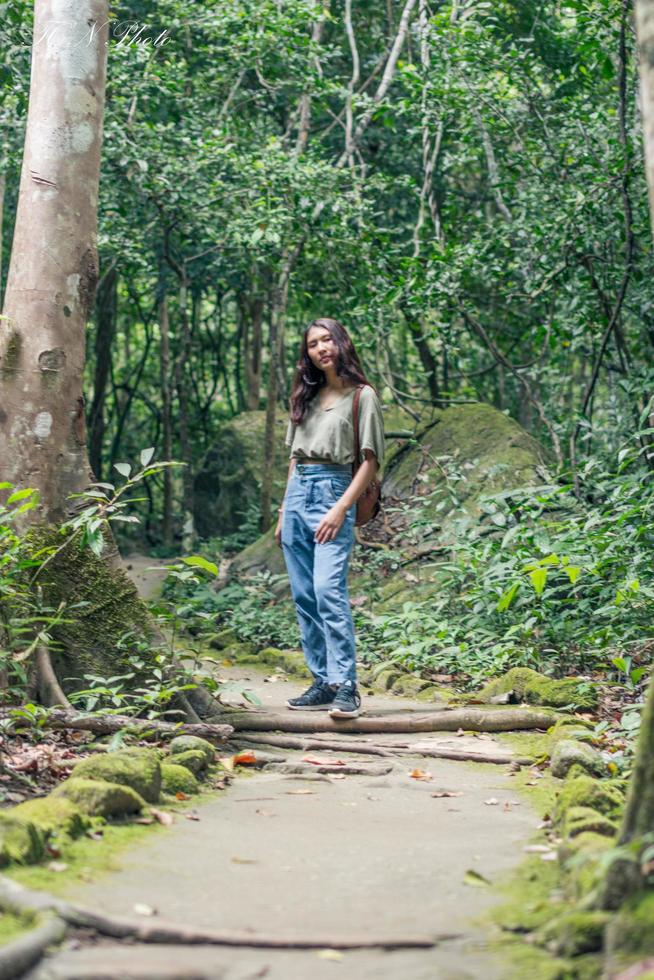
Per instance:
x=53, y=815
x=631, y=929
x=14, y=924
x=575, y=932
x=99, y=798
x=583, y=819
x=140, y=769
x=20, y=841
x=535, y=688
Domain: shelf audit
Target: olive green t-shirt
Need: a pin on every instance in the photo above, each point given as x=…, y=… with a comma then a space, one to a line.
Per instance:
x=328, y=434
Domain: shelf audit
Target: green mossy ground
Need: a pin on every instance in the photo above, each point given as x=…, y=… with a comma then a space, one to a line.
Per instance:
x=21, y=841
x=186, y=743
x=604, y=796
x=13, y=925
x=53, y=815
x=194, y=761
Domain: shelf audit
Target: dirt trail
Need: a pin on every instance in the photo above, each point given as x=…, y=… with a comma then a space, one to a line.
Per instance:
x=325, y=857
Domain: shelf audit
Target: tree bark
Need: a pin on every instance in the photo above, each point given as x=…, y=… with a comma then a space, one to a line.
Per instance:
x=166, y=412
x=54, y=266
x=645, y=35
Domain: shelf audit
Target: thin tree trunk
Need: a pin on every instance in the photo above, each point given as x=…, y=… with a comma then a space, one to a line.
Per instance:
x=180, y=374
x=107, y=304
x=645, y=35
x=166, y=415
x=2, y=213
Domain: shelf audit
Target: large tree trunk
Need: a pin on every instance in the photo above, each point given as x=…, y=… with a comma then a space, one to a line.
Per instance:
x=645, y=33
x=50, y=291
x=54, y=267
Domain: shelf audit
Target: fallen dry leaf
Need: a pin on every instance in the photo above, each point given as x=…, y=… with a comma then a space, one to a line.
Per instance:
x=247, y=758
x=421, y=774
x=164, y=818
x=57, y=866
x=238, y=860
x=227, y=762
x=300, y=792
x=192, y=815
x=491, y=802
x=180, y=796
x=337, y=775
x=265, y=813
x=141, y=909
x=317, y=761
x=144, y=820
x=537, y=849
x=329, y=954
x=445, y=793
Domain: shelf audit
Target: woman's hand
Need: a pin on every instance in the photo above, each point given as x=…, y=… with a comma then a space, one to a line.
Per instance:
x=330, y=524
x=278, y=531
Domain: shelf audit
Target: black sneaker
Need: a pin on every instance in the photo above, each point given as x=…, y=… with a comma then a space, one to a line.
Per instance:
x=347, y=702
x=318, y=697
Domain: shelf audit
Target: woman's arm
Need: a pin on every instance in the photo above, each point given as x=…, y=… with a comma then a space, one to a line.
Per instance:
x=331, y=523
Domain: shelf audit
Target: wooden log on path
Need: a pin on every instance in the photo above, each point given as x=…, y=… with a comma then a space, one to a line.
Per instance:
x=447, y=720
x=60, y=719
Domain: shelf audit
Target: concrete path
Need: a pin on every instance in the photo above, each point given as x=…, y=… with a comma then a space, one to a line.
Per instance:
x=324, y=857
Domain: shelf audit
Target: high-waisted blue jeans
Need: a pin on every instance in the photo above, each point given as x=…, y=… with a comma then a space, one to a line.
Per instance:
x=318, y=572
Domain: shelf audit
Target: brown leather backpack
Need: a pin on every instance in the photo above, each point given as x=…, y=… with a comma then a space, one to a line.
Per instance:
x=369, y=503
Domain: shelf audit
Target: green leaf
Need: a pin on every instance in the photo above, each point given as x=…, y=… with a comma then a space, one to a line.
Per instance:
x=197, y=561
x=21, y=494
x=573, y=572
x=146, y=455
x=507, y=597
x=123, y=468
x=538, y=579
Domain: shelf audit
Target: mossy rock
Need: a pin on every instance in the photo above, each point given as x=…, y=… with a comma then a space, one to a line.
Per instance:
x=573, y=933
x=385, y=679
x=194, y=761
x=583, y=819
x=223, y=639
x=243, y=653
x=433, y=693
x=53, y=815
x=568, y=753
x=21, y=841
x=140, y=769
x=586, y=842
x=99, y=798
x=584, y=791
x=409, y=685
x=535, y=688
x=191, y=743
x=178, y=779
x=292, y=661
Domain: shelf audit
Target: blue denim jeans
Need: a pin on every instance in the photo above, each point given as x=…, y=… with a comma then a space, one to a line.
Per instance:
x=318, y=572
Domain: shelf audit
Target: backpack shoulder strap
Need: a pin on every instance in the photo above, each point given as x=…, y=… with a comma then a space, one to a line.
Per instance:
x=355, y=425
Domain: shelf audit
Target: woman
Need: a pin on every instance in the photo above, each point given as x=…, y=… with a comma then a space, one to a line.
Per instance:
x=316, y=521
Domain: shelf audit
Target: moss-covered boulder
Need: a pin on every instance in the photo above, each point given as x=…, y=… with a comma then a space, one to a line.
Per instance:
x=535, y=688
x=631, y=930
x=602, y=796
x=140, y=769
x=189, y=743
x=583, y=819
x=568, y=753
x=21, y=841
x=194, y=761
x=491, y=454
x=573, y=933
x=228, y=481
x=178, y=779
x=570, y=728
x=53, y=815
x=99, y=798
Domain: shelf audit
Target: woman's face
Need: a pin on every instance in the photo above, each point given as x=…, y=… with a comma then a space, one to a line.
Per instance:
x=321, y=348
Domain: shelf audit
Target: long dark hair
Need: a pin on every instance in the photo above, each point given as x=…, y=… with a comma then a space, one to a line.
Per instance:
x=309, y=379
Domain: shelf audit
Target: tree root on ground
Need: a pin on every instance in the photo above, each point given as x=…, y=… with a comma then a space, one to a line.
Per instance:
x=18, y=955
x=365, y=748
x=47, y=685
x=13, y=896
x=444, y=720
